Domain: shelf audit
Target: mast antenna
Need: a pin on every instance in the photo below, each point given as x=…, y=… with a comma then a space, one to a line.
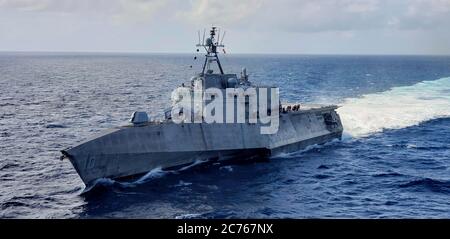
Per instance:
x=221, y=42
x=204, y=33
x=218, y=36
x=211, y=44
x=199, y=37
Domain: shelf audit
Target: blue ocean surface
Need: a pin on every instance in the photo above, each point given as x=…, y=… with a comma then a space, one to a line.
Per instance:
x=393, y=161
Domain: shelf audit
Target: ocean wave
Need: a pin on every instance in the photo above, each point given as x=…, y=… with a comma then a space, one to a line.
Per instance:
x=182, y=183
x=322, y=176
x=428, y=184
x=154, y=174
x=417, y=147
x=227, y=168
x=386, y=175
x=189, y=216
x=55, y=126
x=101, y=182
x=397, y=108
x=309, y=148
x=150, y=176
x=196, y=163
x=323, y=167
x=11, y=204
x=107, y=182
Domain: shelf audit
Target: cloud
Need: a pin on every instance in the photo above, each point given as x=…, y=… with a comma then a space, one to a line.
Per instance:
x=116, y=10
x=283, y=15
x=139, y=10
x=220, y=12
x=169, y=25
x=360, y=6
x=321, y=15
x=59, y=6
x=426, y=14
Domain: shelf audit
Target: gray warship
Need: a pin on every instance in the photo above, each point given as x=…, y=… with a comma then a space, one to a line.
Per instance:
x=144, y=145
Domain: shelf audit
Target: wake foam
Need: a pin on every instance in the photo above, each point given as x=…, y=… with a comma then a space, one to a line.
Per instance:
x=309, y=148
x=107, y=182
x=150, y=176
x=397, y=108
x=154, y=174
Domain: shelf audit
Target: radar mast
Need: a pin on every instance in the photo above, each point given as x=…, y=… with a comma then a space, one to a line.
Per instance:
x=211, y=45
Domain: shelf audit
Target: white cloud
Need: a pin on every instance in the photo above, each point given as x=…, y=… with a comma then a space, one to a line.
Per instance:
x=60, y=6
x=426, y=14
x=116, y=10
x=361, y=6
x=320, y=15
x=139, y=10
x=285, y=15
x=324, y=23
x=220, y=12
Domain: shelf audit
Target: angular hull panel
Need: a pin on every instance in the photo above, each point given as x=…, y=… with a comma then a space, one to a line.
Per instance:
x=133, y=150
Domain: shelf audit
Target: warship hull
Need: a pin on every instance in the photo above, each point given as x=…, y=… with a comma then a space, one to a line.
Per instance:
x=134, y=150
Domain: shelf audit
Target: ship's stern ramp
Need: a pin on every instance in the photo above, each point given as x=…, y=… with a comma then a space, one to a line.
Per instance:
x=312, y=124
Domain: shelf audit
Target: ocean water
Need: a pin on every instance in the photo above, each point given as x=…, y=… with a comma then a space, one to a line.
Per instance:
x=393, y=162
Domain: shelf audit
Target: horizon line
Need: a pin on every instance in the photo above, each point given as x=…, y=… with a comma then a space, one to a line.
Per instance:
x=238, y=53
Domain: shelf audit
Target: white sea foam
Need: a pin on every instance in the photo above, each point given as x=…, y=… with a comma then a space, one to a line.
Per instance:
x=397, y=108
x=296, y=154
x=196, y=162
x=182, y=183
x=155, y=173
x=228, y=168
x=100, y=181
x=188, y=216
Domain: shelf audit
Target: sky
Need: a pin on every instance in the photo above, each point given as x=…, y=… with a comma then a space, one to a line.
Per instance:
x=418, y=27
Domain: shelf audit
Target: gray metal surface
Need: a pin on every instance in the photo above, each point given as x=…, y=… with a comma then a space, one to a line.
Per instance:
x=134, y=150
